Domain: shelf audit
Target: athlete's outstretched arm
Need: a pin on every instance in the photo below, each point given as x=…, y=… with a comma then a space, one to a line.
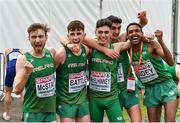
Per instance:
x=122, y=46
x=92, y=43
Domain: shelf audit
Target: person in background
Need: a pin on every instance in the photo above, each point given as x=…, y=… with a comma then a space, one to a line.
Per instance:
x=175, y=72
x=11, y=55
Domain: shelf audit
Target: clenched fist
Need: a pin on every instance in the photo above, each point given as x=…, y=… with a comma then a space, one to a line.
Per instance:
x=159, y=35
x=74, y=47
x=28, y=67
x=141, y=14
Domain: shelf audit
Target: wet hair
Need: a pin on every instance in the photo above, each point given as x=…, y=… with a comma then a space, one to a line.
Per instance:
x=75, y=25
x=103, y=22
x=133, y=23
x=114, y=19
x=35, y=26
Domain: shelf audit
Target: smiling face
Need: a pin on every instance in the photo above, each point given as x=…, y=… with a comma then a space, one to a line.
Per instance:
x=134, y=34
x=76, y=36
x=38, y=40
x=103, y=34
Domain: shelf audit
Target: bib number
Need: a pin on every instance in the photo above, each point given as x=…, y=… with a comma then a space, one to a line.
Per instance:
x=45, y=86
x=100, y=81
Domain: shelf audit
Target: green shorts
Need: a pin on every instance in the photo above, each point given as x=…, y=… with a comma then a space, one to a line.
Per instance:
x=158, y=94
x=139, y=85
x=112, y=108
x=39, y=117
x=128, y=99
x=74, y=110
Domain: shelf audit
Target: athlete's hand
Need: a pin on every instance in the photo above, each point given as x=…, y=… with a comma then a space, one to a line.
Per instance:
x=159, y=35
x=74, y=47
x=149, y=37
x=141, y=14
x=142, y=18
x=111, y=53
x=28, y=67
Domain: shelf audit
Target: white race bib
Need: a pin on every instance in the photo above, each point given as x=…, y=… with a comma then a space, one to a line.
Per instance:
x=120, y=75
x=100, y=81
x=45, y=86
x=77, y=81
x=146, y=72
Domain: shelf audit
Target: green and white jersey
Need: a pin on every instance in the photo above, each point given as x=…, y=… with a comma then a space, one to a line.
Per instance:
x=123, y=67
x=40, y=86
x=172, y=70
x=71, y=79
x=103, y=76
x=152, y=70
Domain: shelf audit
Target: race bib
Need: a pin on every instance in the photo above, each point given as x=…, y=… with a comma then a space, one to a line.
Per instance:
x=120, y=75
x=100, y=81
x=45, y=86
x=77, y=81
x=146, y=72
x=13, y=55
x=131, y=84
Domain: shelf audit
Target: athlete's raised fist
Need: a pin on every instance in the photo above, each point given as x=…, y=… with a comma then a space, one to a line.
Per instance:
x=28, y=67
x=159, y=35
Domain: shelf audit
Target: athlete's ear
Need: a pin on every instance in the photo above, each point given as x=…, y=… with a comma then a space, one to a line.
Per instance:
x=142, y=33
x=95, y=31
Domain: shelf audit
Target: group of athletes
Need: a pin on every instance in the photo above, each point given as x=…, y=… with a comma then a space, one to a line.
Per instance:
x=89, y=76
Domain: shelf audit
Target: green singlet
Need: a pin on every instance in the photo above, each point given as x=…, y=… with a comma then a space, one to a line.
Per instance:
x=40, y=86
x=71, y=79
x=152, y=70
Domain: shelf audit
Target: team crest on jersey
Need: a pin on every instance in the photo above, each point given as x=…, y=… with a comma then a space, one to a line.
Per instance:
x=31, y=60
x=47, y=55
x=83, y=54
x=144, y=52
x=69, y=55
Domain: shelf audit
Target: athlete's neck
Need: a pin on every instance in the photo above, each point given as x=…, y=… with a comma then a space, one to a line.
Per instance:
x=137, y=48
x=37, y=54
